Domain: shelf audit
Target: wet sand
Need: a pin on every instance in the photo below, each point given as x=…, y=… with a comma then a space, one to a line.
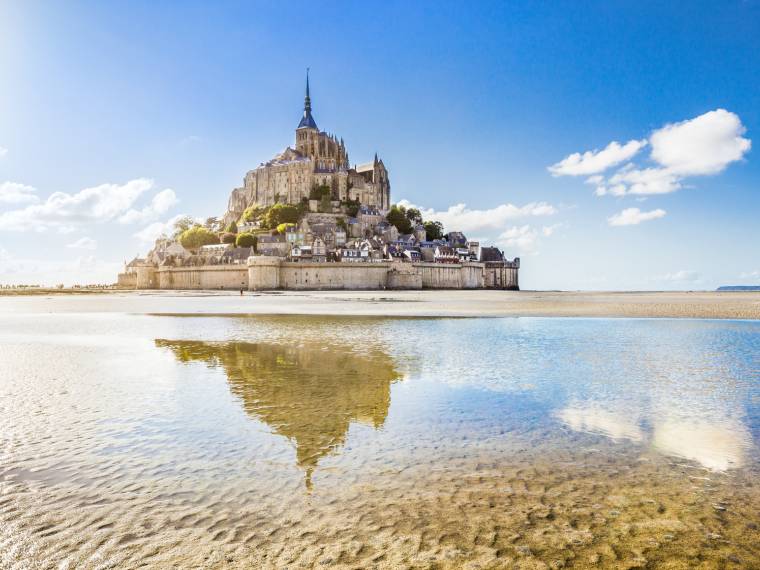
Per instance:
x=479, y=303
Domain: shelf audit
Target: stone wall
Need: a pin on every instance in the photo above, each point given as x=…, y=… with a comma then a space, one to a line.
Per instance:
x=451, y=275
x=231, y=277
x=267, y=273
x=127, y=280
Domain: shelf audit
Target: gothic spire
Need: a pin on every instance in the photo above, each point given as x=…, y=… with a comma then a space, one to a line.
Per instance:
x=307, y=120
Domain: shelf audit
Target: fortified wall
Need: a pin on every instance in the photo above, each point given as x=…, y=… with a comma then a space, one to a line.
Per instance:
x=264, y=273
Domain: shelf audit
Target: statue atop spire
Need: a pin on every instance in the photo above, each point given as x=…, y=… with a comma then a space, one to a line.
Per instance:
x=307, y=121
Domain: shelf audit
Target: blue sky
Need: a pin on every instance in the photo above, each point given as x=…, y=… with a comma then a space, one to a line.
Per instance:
x=140, y=111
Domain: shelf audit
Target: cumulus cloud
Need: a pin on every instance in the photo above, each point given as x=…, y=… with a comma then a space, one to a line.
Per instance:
x=15, y=193
x=83, y=243
x=701, y=146
x=631, y=180
x=595, y=161
x=704, y=145
x=461, y=218
x=160, y=204
x=153, y=231
x=634, y=216
x=99, y=204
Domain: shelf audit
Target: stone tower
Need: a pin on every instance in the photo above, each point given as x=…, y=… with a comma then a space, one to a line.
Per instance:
x=307, y=133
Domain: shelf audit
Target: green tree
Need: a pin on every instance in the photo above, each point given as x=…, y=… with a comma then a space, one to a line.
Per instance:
x=434, y=230
x=183, y=224
x=228, y=237
x=397, y=217
x=195, y=237
x=232, y=228
x=352, y=208
x=319, y=192
x=246, y=239
x=325, y=205
x=280, y=214
x=253, y=213
x=414, y=216
x=341, y=223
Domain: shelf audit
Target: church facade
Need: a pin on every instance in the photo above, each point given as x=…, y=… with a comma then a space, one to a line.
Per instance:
x=318, y=159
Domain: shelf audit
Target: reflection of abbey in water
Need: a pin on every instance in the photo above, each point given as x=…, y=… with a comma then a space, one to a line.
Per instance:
x=306, y=393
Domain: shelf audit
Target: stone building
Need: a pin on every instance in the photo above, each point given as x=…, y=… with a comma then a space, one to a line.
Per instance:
x=319, y=159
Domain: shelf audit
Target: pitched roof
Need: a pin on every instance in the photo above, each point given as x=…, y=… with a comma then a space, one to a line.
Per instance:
x=490, y=254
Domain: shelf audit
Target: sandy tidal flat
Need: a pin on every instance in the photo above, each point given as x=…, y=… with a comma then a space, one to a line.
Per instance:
x=478, y=303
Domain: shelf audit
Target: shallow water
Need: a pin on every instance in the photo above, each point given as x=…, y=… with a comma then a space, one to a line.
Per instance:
x=238, y=441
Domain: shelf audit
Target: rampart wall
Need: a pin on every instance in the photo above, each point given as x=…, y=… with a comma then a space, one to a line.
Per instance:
x=266, y=273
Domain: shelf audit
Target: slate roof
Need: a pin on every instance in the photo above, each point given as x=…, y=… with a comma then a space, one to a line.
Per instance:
x=490, y=254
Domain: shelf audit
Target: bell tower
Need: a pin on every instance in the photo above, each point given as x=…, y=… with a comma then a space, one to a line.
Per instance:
x=307, y=133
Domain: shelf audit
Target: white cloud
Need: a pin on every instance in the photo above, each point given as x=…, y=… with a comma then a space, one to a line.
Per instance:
x=595, y=161
x=3, y=151
x=83, y=243
x=704, y=145
x=525, y=239
x=64, y=212
x=631, y=180
x=701, y=146
x=153, y=231
x=160, y=204
x=15, y=193
x=682, y=275
x=634, y=216
x=754, y=275
x=461, y=218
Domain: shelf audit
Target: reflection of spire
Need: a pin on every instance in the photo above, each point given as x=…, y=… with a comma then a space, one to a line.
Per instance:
x=305, y=393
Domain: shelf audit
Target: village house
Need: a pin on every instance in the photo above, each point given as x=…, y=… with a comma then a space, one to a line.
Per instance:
x=273, y=245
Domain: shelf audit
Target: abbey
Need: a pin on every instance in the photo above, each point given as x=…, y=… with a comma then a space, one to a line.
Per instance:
x=319, y=159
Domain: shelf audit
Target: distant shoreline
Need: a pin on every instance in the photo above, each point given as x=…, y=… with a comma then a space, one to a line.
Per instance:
x=425, y=303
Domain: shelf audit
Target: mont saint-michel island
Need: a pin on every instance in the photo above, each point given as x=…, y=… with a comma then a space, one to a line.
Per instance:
x=309, y=219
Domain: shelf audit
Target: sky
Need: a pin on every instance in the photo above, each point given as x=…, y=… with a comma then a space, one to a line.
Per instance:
x=609, y=145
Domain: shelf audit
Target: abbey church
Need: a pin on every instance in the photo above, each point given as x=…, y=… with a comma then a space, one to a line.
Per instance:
x=319, y=159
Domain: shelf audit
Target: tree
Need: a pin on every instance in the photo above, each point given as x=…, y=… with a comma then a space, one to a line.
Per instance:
x=325, y=205
x=414, y=216
x=280, y=214
x=397, y=217
x=246, y=239
x=183, y=224
x=341, y=223
x=434, y=230
x=197, y=236
x=352, y=207
x=253, y=213
x=319, y=192
x=232, y=228
x=228, y=237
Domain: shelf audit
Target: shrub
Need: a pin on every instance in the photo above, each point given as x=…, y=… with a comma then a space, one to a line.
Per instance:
x=195, y=237
x=228, y=237
x=282, y=228
x=232, y=228
x=246, y=239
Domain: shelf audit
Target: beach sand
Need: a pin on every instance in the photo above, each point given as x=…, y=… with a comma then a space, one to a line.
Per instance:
x=427, y=303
